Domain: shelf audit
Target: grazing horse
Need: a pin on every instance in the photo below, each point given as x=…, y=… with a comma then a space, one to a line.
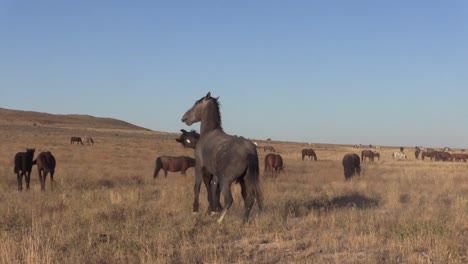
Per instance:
x=45, y=163
x=310, y=153
x=399, y=155
x=223, y=159
x=23, y=166
x=76, y=139
x=173, y=164
x=89, y=141
x=273, y=164
x=370, y=155
x=188, y=139
x=352, y=165
x=269, y=148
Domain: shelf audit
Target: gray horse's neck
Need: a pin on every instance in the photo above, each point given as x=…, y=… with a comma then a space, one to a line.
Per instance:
x=211, y=119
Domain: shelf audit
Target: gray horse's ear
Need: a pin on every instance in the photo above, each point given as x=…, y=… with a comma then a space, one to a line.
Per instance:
x=183, y=131
x=208, y=95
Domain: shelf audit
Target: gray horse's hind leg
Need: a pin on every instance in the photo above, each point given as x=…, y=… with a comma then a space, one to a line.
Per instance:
x=226, y=190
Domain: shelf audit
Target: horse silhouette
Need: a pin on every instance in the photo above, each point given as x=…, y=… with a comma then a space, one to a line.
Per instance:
x=352, y=165
x=309, y=152
x=45, y=163
x=23, y=166
x=76, y=140
x=222, y=159
x=188, y=139
x=273, y=165
x=173, y=164
x=370, y=155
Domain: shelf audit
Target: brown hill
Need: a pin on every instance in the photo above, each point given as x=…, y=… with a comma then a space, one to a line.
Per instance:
x=31, y=118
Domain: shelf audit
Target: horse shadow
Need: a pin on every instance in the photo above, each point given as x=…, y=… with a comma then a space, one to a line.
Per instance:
x=299, y=208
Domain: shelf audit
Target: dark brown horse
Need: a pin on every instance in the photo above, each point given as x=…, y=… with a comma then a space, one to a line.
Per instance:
x=310, y=153
x=352, y=165
x=45, y=163
x=188, y=139
x=460, y=157
x=429, y=154
x=76, y=140
x=370, y=155
x=442, y=156
x=173, y=164
x=223, y=159
x=273, y=165
x=417, y=151
x=23, y=166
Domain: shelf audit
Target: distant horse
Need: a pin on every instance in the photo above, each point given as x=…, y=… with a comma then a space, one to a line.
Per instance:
x=269, y=148
x=188, y=139
x=23, y=166
x=442, y=156
x=223, y=159
x=89, y=141
x=429, y=154
x=76, y=139
x=399, y=155
x=173, y=164
x=417, y=151
x=352, y=165
x=309, y=152
x=273, y=165
x=460, y=157
x=45, y=163
x=370, y=155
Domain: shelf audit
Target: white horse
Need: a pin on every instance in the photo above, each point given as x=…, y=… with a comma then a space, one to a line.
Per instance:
x=399, y=155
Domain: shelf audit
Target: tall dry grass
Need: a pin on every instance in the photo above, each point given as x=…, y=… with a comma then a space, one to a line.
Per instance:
x=107, y=208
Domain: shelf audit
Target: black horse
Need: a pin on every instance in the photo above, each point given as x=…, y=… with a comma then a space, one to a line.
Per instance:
x=45, y=163
x=310, y=153
x=223, y=159
x=188, y=139
x=351, y=165
x=76, y=140
x=23, y=167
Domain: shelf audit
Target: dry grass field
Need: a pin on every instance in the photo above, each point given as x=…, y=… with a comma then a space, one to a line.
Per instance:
x=107, y=208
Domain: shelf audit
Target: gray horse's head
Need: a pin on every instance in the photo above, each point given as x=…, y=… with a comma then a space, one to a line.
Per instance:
x=195, y=113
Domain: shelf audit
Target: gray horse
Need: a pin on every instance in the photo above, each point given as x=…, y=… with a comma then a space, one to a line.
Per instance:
x=222, y=159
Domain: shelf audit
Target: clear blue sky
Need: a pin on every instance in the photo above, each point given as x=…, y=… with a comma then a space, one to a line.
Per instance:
x=354, y=72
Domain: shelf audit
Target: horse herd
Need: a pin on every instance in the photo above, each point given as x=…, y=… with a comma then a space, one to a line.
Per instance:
x=220, y=160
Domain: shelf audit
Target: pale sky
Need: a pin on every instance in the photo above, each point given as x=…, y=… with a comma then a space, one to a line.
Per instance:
x=345, y=72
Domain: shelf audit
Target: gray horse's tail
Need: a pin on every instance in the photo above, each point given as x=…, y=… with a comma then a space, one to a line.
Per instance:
x=158, y=167
x=253, y=180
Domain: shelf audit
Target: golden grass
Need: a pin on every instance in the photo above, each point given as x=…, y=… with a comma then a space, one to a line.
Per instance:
x=106, y=207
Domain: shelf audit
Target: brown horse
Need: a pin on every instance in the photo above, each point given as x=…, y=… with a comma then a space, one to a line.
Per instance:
x=23, y=166
x=188, y=139
x=76, y=139
x=310, y=153
x=442, y=156
x=370, y=155
x=429, y=154
x=273, y=165
x=459, y=157
x=173, y=164
x=45, y=163
x=352, y=165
